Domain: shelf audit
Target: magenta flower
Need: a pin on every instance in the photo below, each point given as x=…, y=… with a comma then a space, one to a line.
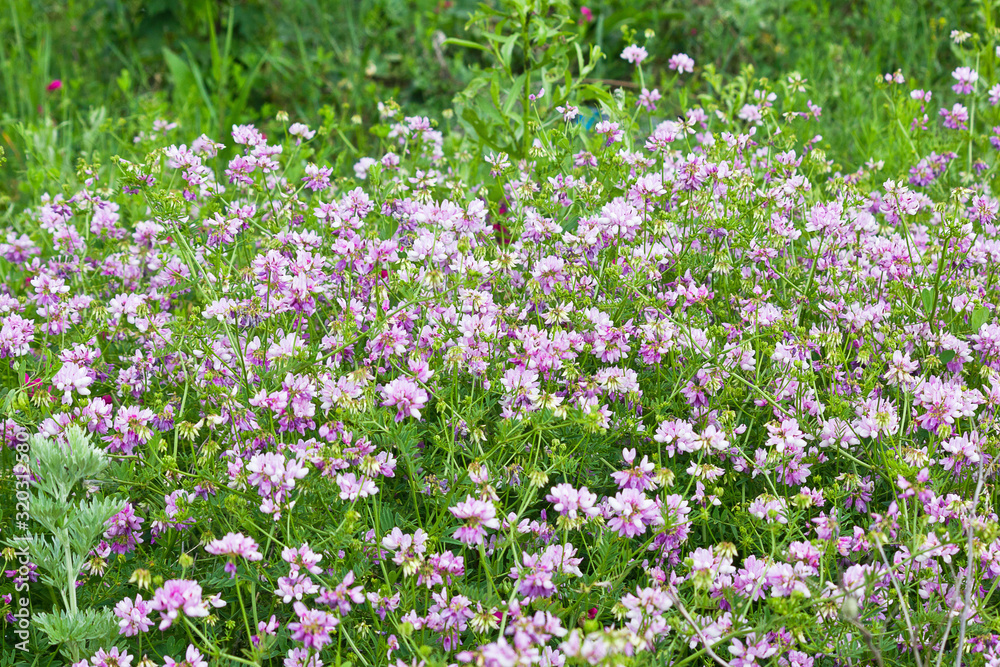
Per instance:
x=180, y=595
x=352, y=488
x=123, y=533
x=956, y=117
x=16, y=336
x=55, y=84
x=749, y=650
x=631, y=512
x=343, y=596
x=406, y=395
x=634, y=54
x=275, y=477
x=313, y=627
x=681, y=62
x=192, y=658
x=134, y=616
x=478, y=515
x=573, y=503
x=965, y=78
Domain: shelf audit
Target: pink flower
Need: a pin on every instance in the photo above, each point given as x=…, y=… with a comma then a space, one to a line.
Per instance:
x=302, y=558
x=16, y=335
x=313, y=627
x=352, y=488
x=300, y=657
x=478, y=515
x=55, y=84
x=175, y=596
x=124, y=530
x=70, y=378
x=956, y=117
x=406, y=395
x=234, y=545
x=134, y=616
x=302, y=131
x=274, y=476
x=345, y=594
x=192, y=658
x=631, y=512
x=634, y=54
x=587, y=14
x=648, y=99
x=681, y=62
x=571, y=502
x=966, y=78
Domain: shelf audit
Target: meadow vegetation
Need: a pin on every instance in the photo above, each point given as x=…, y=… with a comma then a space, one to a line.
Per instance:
x=520, y=333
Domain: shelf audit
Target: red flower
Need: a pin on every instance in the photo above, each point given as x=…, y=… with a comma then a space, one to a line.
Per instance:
x=32, y=384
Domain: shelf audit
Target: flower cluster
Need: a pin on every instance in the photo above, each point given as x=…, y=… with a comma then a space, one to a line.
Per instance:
x=611, y=393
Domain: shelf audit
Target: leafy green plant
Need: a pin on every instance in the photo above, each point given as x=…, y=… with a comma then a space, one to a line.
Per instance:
x=531, y=49
x=73, y=524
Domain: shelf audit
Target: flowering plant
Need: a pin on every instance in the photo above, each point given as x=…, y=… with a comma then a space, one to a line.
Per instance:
x=670, y=389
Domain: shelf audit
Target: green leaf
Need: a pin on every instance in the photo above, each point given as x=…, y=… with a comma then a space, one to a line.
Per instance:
x=495, y=89
x=947, y=356
x=466, y=43
x=512, y=97
x=979, y=317
x=184, y=84
x=927, y=297
x=506, y=53
x=480, y=129
x=200, y=84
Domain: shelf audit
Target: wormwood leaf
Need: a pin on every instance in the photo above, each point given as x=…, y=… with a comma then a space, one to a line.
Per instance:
x=77, y=629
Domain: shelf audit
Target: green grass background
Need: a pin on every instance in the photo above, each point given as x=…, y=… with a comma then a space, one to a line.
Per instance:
x=207, y=65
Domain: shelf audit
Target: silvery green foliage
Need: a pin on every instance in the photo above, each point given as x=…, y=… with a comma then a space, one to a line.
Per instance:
x=73, y=524
x=79, y=633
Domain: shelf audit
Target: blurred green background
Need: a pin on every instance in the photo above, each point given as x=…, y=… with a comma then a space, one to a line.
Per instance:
x=207, y=65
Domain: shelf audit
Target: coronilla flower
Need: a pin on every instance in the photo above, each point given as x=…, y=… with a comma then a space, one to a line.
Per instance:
x=681, y=62
x=192, y=658
x=965, y=78
x=313, y=628
x=631, y=511
x=406, y=396
x=478, y=516
x=133, y=615
x=634, y=54
x=180, y=596
x=234, y=545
